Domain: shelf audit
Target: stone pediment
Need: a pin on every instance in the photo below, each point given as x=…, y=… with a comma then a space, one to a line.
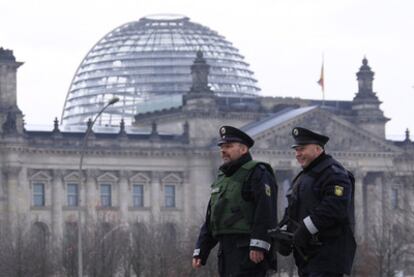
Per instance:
x=72, y=177
x=275, y=132
x=41, y=176
x=172, y=178
x=140, y=178
x=107, y=177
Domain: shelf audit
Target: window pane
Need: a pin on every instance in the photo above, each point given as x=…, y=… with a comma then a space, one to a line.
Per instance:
x=169, y=196
x=138, y=196
x=38, y=188
x=72, y=194
x=394, y=198
x=38, y=194
x=106, y=195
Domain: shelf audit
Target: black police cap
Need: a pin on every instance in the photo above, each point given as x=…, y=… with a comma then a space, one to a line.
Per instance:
x=303, y=136
x=232, y=134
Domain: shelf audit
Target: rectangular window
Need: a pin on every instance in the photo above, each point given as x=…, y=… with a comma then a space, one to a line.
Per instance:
x=169, y=191
x=38, y=195
x=106, y=195
x=73, y=194
x=138, y=196
x=394, y=198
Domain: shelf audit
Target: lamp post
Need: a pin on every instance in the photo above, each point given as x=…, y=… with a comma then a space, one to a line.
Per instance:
x=83, y=147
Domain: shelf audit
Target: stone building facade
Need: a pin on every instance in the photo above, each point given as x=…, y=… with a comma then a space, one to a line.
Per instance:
x=160, y=169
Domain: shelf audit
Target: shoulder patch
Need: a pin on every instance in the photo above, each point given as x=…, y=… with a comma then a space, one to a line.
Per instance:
x=339, y=190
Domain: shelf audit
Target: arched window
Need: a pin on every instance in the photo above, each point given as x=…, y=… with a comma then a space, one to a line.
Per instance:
x=70, y=248
x=139, y=230
x=169, y=231
x=40, y=234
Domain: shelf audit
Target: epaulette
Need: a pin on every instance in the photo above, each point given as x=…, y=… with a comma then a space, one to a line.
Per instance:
x=338, y=168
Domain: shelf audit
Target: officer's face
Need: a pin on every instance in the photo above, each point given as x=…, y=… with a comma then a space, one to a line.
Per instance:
x=232, y=151
x=305, y=154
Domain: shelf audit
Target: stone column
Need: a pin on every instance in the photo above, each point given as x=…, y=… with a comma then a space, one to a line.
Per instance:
x=359, y=205
x=3, y=193
x=407, y=182
x=198, y=191
x=11, y=174
x=187, y=199
x=91, y=190
x=123, y=196
x=372, y=202
x=380, y=183
x=57, y=203
x=156, y=199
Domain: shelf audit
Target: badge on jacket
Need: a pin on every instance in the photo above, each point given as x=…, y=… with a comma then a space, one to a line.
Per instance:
x=268, y=190
x=339, y=190
x=215, y=190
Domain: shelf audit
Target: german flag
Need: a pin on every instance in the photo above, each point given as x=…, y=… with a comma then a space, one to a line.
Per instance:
x=321, y=80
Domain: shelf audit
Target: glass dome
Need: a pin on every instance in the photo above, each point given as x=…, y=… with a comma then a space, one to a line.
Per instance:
x=150, y=60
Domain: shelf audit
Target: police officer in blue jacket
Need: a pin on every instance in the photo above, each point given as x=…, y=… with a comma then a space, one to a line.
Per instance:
x=241, y=211
x=320, y=211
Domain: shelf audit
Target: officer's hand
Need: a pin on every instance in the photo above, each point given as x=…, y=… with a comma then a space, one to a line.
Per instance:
x=196, y=263
x=301, y=236
x=256, y=256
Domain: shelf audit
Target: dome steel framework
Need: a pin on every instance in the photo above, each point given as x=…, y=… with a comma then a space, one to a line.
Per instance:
x=147, y=61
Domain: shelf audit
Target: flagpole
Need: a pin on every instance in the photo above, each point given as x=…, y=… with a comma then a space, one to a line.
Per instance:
x=323, y=76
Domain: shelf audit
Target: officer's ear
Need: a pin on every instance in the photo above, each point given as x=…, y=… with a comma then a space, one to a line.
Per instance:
x=319, y=148
x=244, y=149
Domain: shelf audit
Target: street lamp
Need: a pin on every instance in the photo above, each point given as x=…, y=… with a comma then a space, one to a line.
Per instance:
x=85, y=139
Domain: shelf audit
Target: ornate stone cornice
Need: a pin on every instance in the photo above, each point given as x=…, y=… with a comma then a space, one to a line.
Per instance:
x=142, y=151
x=182, y=152
x=291, y=153
x=185, y=115
x=172, y=152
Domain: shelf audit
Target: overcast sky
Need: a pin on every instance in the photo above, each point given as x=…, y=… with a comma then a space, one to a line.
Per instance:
x=282, y=40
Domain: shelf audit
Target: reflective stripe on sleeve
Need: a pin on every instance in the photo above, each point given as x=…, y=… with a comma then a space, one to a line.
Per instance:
x=196, y=252
x=260, y=243
x=310, y=226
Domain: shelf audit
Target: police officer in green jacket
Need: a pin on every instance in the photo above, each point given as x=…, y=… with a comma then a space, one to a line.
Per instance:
x=241, y=211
